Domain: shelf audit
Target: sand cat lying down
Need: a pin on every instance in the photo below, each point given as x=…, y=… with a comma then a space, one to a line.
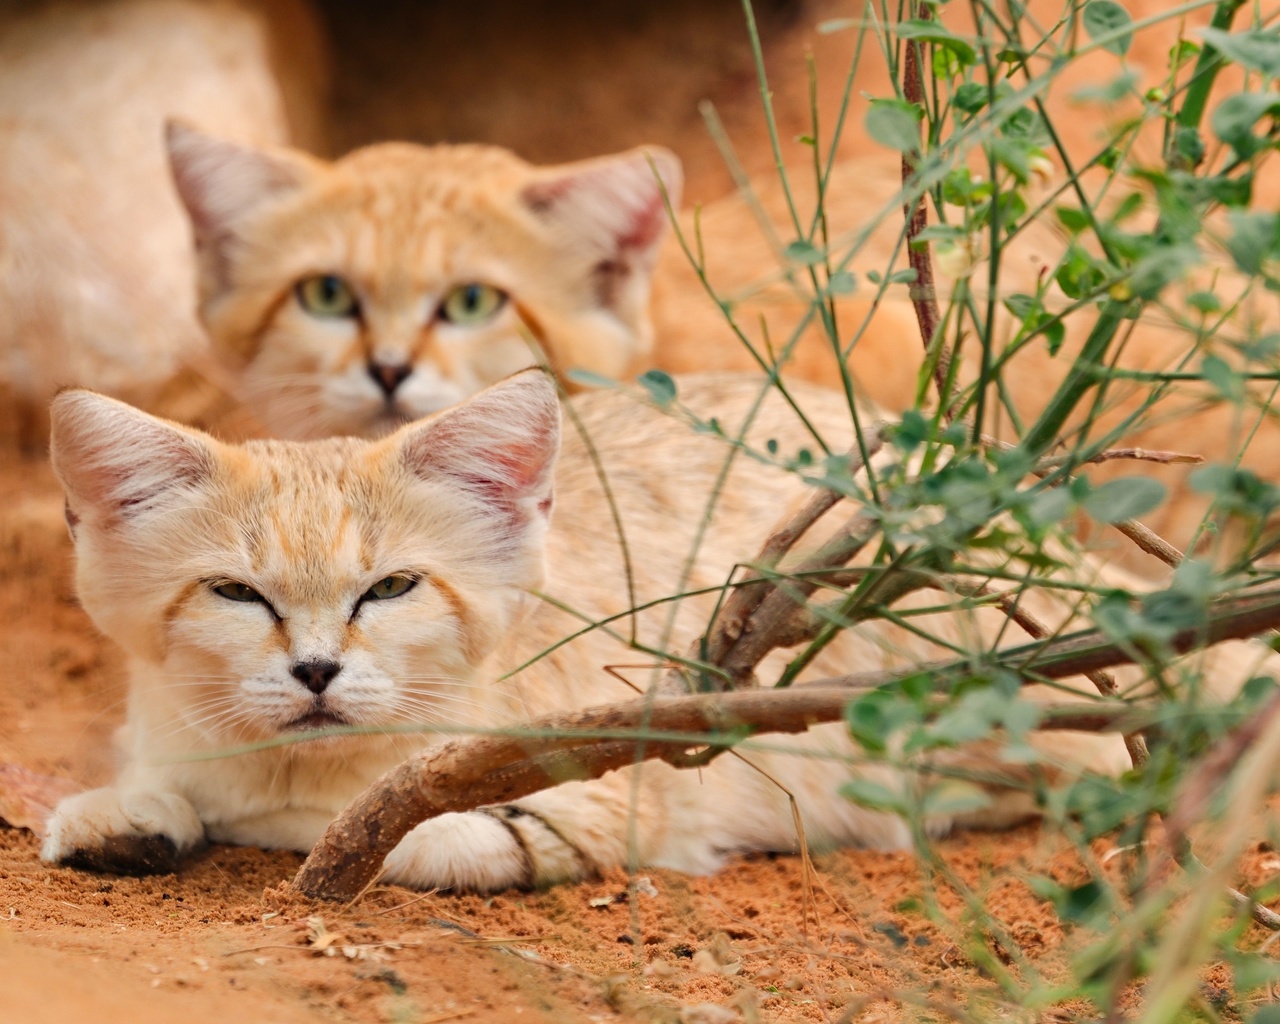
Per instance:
x=277, y=587
x=352, y=296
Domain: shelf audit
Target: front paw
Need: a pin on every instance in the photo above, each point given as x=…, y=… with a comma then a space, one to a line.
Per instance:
x=471, y=852
x=124, y=833
x=495, y=848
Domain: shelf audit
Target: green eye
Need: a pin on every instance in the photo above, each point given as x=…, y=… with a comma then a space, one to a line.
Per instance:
x=238, y=592
x=471, y=304
x=327, y=296
x=390, y=586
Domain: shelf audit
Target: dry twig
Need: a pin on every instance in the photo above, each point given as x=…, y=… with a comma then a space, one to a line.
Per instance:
x=728, y=641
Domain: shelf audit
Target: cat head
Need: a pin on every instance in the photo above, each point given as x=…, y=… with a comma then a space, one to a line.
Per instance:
x=352, y=296
x=279, y=586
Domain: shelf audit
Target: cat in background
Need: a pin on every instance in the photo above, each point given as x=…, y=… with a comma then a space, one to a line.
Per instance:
x=267, y=590
x=349, y=297
x=341, y=297
x=96, y=274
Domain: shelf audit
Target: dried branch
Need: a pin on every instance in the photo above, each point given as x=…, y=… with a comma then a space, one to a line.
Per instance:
x=1151, y=542
x=475, y=771
x=467, y=773
x=924, y=296
x=1134, y=742
x=1144, y=537
x=1164, y=458
x=761, y=632
x=737, y=617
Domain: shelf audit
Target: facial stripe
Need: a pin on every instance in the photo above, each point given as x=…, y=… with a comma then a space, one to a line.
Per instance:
x=249, y=345
x=466, y=627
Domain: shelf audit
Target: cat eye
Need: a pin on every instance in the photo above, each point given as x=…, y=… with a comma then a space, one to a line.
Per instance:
x=238, y=592
x=327, y=296
x=470, y=304
x=388, y=587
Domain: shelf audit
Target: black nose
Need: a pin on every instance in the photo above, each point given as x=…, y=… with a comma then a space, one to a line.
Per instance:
x=315, y=675
x=389, y=377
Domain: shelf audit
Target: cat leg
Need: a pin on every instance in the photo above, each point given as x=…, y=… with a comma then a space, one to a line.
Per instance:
x=564, y=834
x=290, y=829
x=127, y=832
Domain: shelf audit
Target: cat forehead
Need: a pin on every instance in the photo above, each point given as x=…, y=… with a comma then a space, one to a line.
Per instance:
x=398, y=209
x=277, y=472
x=437, y=175
x=308, y=489
x=312, y=510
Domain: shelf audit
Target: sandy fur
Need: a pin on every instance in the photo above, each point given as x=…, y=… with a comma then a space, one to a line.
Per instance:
x=97, y=279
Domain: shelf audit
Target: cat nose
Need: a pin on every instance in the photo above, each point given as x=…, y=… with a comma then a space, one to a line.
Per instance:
x=315, y=675
x=389, y=376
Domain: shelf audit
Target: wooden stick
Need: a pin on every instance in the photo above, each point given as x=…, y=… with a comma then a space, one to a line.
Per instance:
x=474, y=771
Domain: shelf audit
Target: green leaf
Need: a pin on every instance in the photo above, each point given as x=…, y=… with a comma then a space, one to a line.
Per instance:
x=833, y=25
x=955, y=797
x=1182, y=52
x=1124, y=84
x=1236, y=117
x=1074, y=220
x=804, y=253
x=1082, y=904
x=590, y=379
x=935, y=32
x=1104, y=18
x=905, y=276
x=1188, y=145
x=1236, y=490
x=911, y=432
x=1049, y=506
x=971, y=97
x=1036, y=321
x=1257, y=51
x=1204, y=302
x=896, y=124
x=1022, y=306
x=873, y=795
x=1228, y=383
x=1255, y=237
x=1126, y=498
x=842, y=282
x=661, y=388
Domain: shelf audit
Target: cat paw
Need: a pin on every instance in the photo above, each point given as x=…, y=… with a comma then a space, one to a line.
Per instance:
x=122, y=833
x=484, y=851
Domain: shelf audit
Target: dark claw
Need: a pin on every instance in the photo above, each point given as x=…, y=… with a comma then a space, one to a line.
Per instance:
x=128, y=855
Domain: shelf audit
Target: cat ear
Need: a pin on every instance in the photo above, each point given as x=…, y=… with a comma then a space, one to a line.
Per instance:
x=220, y=182
x=613, y=204
x=115, y=462
x=500, y=445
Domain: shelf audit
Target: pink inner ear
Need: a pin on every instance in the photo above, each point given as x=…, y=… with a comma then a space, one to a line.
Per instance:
x=501, y=470
x=647, y=222
x=617, y=204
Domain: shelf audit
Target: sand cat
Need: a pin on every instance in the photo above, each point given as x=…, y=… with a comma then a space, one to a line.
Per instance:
x=265, y=591
x=96, y=277
x=349, y=297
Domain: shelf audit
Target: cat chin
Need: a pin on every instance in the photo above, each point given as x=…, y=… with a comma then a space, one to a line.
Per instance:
x=314, y=721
